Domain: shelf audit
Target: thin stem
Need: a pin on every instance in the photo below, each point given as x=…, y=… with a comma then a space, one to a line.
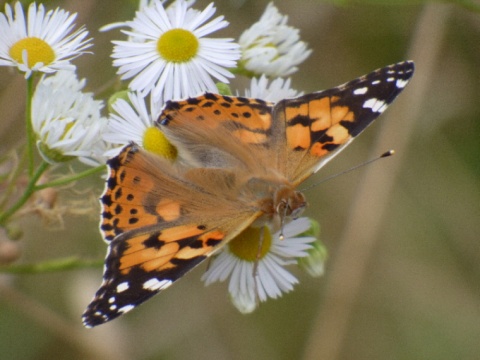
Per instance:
x=26, y=195
x=29, y=127
x=69, y=263
x=69, y=179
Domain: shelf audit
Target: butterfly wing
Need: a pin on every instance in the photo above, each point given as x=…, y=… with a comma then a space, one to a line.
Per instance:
x=293, y=138
x=214, y=131
x=319, y=125
x=160, y=223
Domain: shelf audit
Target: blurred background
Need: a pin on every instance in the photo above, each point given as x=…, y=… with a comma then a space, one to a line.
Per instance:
x=403, y=276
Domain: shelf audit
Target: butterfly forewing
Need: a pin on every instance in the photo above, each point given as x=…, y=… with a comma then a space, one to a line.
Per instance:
x=320, y=125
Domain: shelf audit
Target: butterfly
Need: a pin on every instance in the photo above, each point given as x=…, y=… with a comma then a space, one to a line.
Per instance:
x=239, y=164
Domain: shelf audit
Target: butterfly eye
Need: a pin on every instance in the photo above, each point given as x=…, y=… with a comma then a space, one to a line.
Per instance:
x=297, y=204
x=282, y=208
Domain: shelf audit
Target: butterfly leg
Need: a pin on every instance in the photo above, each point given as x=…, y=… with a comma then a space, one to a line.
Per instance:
x=282, y=223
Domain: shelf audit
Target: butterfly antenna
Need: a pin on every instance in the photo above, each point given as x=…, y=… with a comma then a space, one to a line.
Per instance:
x=384, y=155
x=255, y=265
x=281, y=236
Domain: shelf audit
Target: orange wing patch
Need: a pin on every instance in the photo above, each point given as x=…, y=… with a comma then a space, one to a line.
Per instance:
x=158, y=251
x=316, y=124
x=129, y=200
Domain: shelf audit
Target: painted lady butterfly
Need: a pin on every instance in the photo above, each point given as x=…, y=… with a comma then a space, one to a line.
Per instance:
x=240, y=161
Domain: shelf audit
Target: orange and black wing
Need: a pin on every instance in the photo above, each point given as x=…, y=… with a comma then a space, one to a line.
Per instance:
x=160, y=223
x=216, y=131
x=319, y=125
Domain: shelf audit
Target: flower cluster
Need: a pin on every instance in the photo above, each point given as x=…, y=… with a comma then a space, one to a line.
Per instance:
x=271, y=47
x=43, y=42
x=167, y=53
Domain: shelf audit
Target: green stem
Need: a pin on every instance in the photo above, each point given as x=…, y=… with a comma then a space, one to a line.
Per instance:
x=69, y=263
x=26, y=195
x=29, y=127
x=69, y=179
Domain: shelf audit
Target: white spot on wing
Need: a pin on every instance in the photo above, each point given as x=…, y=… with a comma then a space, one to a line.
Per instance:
x=122, y=287
x=126, y=308
x=401, y=83
x=155, y=284
x=360, y=91
x=113, y=307
x=390, y=79
x=376, y=82
x=381, y=108
x=111, y=300
x=375, y=104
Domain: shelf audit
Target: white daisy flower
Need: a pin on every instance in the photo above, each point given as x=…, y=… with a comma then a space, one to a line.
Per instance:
x=168, y=54
x=130, y=121
x=99, y=150
x=44, y=42
x=67, y=122
x=277, y=90
x=271, y=47
x=239, y=257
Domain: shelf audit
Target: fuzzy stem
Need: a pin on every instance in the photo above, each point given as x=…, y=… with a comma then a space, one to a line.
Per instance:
x=26, y=195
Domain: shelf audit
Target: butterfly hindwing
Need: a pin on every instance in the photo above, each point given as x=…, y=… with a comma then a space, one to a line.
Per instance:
x=321, y=124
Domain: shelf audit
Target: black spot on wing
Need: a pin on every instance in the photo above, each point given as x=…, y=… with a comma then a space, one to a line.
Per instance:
x=300, y=119
x=153, y=241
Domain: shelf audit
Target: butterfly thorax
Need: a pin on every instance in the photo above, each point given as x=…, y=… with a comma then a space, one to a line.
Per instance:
x=284, y=203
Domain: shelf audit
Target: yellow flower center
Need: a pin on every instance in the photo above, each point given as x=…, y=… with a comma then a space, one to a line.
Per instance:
x=177, y=45
x=37, y=50
x=246, y=245
x=155, y=142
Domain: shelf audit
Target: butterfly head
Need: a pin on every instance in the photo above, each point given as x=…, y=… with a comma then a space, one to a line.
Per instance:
x=289, y=202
